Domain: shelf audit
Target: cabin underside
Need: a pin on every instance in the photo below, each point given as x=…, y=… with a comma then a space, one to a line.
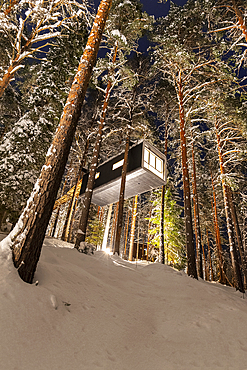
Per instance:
x=137, y=182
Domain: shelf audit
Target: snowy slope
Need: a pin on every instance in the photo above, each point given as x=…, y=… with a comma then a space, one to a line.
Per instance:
x=100, y=312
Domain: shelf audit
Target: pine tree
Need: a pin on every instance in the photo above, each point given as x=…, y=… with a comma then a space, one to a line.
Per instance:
x=27, y=237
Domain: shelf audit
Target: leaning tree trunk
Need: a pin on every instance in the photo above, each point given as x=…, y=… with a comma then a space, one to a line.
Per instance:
x=81, y=233
x=191, y=262
x=233, y=251
x=27, y=237
x=121, y=197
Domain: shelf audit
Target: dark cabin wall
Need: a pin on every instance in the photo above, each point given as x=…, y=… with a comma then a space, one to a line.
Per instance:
x=105, y=169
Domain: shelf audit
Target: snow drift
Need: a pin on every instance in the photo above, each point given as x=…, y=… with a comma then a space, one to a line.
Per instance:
x=100, y=312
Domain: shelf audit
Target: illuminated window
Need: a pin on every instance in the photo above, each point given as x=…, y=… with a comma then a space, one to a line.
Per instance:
x=118, y=164
x=97, y=175
x=153, y=162
x=152, y=159
x=158, y=164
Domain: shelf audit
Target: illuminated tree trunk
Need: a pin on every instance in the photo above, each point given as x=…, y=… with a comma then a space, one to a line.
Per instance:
x=76, y=189
x=222, y=275
x=233, y=252
x=162, y=244
x=107, y=226
x=28, y=235
x=132, y=232
x=121, y=197
x=113, y=228
x=196, y=217
x=241, y=22
x=149, y=222
x=191, y=263
x=211, y=274
x=238, y=233
x=126, y=234
x=81, y=233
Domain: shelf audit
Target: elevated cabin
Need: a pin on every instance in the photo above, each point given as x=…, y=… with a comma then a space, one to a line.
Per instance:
x=146, y=171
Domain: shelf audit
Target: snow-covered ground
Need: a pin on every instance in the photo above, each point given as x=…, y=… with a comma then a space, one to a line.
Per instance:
x=100, y=312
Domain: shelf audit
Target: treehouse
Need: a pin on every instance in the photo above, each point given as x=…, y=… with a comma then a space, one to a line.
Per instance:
x=146, y=171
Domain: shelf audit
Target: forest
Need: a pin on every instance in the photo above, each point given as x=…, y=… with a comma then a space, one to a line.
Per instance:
x=64, y=111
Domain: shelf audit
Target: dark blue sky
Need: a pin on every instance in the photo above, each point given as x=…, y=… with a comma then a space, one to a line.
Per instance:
x=153, y=7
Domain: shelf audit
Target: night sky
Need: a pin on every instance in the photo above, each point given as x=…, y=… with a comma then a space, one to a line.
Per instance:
x=153, y=7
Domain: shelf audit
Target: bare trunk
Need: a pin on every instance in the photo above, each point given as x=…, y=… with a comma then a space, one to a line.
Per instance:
x=196, y=218
x=238, y=234
x=222, y=275
x=191, y=262
x=233, y=251
x=211, y=274
x=126, y=233
x=162, y=244
x=113, y=228
x=27, y=237
x=132, y=232
x=76, y=191
x=121, y=197
x=107, y=226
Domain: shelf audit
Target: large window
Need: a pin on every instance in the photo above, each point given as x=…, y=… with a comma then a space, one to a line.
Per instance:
x=117, y=164
x=153, y=163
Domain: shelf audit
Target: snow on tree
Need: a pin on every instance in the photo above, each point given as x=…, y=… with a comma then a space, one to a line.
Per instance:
x=27, y=237
x=42, y=96
x=28, y=27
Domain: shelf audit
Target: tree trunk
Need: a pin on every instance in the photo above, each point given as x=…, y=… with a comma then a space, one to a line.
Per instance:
x=76, y=189
x=121, y=197
x=132, y=232
x=222, y=277
x=196, y=217
x=113, y=228
x=233, y=251
x=162, y=244
x=126, y=234
x=191, y=262
x=28, y=235
x=211, y=276
x=81, y=233
x=107, y=226
x=149, y=222
x=238, y=233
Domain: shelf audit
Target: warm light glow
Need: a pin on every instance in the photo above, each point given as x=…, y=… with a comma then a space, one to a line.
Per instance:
x=97, y=175
x=118, y=164
x=108, y=251
x=153, y=163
